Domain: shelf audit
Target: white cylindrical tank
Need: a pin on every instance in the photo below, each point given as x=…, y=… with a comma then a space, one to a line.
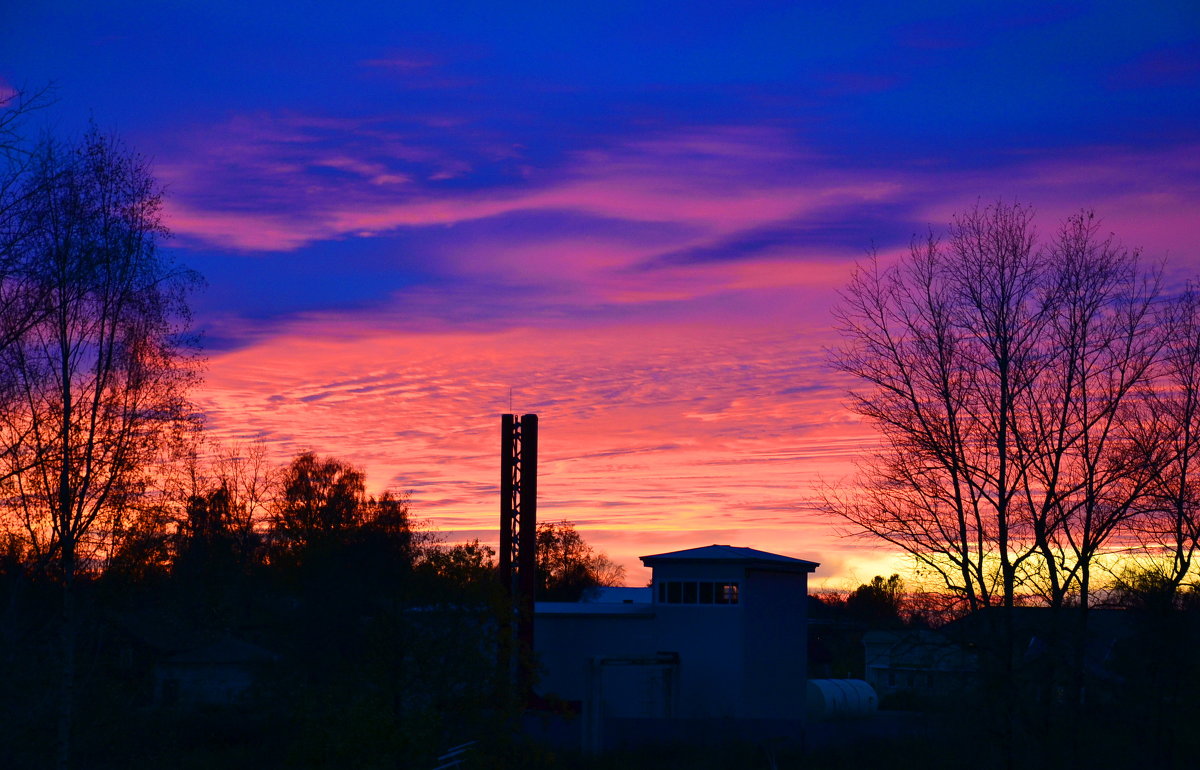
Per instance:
x=840, y=698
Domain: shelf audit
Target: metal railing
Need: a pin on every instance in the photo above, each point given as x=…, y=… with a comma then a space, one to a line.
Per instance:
x=455, y=756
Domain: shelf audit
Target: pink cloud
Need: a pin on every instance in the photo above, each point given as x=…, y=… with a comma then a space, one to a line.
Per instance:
x=239, y=231
x=1148, y=198
x=419, y=70
x=1170, y=67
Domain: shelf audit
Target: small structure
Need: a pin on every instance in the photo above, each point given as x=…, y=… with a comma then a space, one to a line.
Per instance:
x=840, y=699
x=718, y=641
x=951, y=659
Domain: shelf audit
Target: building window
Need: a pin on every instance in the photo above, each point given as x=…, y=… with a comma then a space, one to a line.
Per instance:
x=701, y=592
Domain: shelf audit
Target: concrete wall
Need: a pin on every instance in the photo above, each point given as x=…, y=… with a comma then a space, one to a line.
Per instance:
x=775, y=606
x=566, y=644
x=710, y=641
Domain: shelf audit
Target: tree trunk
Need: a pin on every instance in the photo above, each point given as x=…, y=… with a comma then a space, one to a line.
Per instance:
x=66, y=705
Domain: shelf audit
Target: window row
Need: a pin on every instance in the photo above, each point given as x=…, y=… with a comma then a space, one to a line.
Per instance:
x=699, y=592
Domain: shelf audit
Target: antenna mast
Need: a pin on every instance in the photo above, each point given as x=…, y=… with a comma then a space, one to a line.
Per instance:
x=518, y=534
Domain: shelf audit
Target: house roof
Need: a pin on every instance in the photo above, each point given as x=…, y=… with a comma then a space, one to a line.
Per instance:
x=619, y=595
x=731, y=554
x=606, y=609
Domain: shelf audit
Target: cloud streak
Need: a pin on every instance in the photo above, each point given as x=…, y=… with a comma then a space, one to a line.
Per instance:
x=630, y=416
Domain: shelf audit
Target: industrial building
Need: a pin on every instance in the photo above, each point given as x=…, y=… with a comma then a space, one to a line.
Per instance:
x=714, y=648
x=719, y=637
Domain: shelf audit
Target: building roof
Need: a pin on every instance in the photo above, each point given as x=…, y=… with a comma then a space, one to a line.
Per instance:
x=608, y=609
x=619, y=595
x=731, y=554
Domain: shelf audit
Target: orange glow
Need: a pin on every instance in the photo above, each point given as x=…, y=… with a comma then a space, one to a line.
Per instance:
x=652, y=439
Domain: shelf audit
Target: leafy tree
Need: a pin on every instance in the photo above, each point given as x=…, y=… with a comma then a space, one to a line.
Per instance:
x=209, y=517
x=320, y=501
x=144, y=550
x=463, y=569
x=210, y=547
x=386, y=519
x=878, y=603
x=96, y=382
x=568, y=567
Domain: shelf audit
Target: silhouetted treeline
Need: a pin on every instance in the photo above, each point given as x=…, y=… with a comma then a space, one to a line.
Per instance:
x=317, y=606
x=270, y=616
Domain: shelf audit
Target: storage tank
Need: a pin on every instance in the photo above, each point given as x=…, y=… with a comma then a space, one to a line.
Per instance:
x=840, y=699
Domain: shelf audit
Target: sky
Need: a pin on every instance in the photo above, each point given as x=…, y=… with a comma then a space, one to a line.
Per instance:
x=632, y=219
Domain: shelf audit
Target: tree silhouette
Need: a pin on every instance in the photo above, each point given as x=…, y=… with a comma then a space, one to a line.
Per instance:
x=1004, y=378
x=1007, y=379
x=96, y=382
x=321, y=501
x=878, y=603
x=1169, y=522
x=567, y=566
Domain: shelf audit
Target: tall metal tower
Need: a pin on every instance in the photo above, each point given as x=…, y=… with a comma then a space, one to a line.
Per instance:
x=518, y=532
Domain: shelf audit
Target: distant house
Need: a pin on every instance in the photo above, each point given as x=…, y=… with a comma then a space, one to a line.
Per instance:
x=917, y=660
x=218, y=674
x=928, y=662
x=718, y=637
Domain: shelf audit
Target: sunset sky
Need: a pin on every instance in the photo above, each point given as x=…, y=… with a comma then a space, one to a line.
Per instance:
x=634, y=216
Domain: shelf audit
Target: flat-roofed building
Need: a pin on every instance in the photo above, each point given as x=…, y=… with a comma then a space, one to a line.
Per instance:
x=720, y=634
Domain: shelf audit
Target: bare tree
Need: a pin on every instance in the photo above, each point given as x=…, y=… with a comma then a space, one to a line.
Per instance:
x=240, y=480
x=22, y=300
x=1082, y=424
x=15, y=107
x=1169, y=521
x=252, y=482
x=947, y=343
x=1005, y=379
x=98, y=381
